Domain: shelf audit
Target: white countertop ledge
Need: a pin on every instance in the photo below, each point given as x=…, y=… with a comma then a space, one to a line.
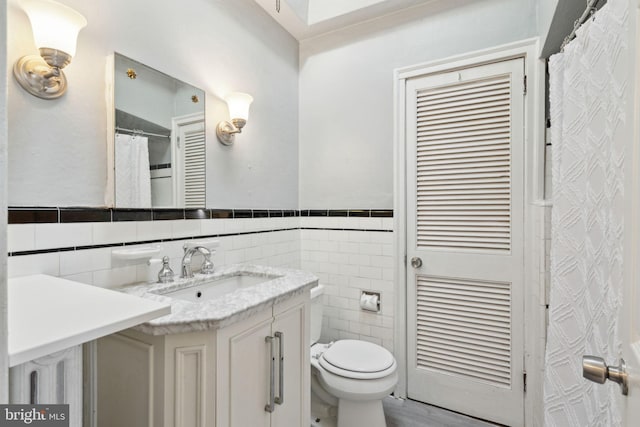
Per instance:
x=222, y=311
x=48, y=314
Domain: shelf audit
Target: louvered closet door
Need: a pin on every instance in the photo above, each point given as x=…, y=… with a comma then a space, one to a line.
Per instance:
x=465, y=137
x=192, y=138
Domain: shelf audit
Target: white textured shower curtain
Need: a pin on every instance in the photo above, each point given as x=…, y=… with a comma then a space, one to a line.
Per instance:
x=133, y=177
x=588, y=92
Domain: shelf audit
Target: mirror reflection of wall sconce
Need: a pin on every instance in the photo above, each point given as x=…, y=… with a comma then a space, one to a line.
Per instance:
x=55, y=32
x=238, y=104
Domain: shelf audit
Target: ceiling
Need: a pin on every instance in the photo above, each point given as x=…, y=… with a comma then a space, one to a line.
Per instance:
x=305, y=19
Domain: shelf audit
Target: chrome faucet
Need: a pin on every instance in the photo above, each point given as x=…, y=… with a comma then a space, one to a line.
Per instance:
x=207, y=265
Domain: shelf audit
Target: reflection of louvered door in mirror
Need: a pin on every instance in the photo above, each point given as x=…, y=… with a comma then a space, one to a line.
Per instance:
x=465, y=137
x=191, y=147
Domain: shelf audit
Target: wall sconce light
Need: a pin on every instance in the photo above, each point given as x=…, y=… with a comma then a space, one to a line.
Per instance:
x=238, y=104
x=55, y=31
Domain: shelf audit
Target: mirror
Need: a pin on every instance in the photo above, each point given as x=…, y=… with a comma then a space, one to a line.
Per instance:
x=160, y=143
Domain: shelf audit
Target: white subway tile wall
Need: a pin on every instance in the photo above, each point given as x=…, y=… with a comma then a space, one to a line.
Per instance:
x=95, y=266
x=349, y=255
x=348, y=262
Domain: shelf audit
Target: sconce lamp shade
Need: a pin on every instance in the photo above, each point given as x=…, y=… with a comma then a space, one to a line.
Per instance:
x=54, y=25
x=238, y=104
x=55, y=31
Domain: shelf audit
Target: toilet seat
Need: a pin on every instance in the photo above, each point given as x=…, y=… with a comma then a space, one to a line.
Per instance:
x=358, y=360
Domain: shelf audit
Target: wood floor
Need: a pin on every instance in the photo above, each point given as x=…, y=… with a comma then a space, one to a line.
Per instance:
x=409, y=413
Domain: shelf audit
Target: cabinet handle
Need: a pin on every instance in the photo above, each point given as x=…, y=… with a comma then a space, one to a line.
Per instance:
x=33, y=391
x=270, y=406
x=280, y=399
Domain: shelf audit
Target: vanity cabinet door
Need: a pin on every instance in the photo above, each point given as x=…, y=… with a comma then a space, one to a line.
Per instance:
x=155, y=381
x=289, y=326
x=243, y=370
x=126, y=384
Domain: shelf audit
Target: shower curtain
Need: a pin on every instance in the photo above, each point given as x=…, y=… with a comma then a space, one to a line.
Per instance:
x=588, y=93
x=133, y=177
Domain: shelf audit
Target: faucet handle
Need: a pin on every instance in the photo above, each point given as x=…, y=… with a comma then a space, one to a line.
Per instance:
x=166, y=273
x=207, y=265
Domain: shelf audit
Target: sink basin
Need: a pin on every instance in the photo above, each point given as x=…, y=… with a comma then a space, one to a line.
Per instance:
x=217, y=287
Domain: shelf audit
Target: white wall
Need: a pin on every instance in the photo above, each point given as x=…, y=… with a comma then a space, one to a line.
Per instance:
x=57, y=149
x=546, y=9
x=4, y=370
x=346, y=91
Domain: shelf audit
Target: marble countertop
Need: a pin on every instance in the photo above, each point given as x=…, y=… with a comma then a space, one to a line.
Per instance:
x=224, y=310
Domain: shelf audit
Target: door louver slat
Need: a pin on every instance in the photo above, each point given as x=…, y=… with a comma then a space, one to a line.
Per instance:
x=478, y=154
x=464, y=328
x=495, y=362
x=456, y=145
x=446, y=117
x=468, y=86
x=463, y=164
x=492, y=98
x=469, y=324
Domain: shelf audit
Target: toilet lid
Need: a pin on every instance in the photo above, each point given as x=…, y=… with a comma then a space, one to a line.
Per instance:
x=354, y=358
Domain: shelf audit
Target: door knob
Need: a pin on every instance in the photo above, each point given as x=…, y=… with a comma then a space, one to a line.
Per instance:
x=416, y=262
x=595, y=369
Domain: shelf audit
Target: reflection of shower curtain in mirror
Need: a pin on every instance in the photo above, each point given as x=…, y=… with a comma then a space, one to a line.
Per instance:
x=133, y=180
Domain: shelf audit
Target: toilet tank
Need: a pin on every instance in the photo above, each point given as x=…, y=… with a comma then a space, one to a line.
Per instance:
x=316, y=313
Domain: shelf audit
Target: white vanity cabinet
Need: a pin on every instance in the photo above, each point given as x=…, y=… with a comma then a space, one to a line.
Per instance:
x=220, y=377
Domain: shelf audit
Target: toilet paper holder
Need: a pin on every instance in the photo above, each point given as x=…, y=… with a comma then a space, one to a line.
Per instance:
x=370, y=301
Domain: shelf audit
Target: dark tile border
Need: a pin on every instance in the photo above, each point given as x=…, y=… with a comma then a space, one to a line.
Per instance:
x=242, y=213
x=197, y=214
x=167, y=214
x=32, y=215
x=132, y=215
x=260, y=213
x=221, y=213
x=84, y=215
x=52, y=215
x=381, y=213
x=374, y=230
x=360, y=213
x=160, y=166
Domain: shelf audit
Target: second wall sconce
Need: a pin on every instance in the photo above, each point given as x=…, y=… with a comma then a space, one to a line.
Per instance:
x=238, y=104
x=55, y=31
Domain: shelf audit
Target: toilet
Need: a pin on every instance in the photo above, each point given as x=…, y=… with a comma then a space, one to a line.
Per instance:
x=349, y=378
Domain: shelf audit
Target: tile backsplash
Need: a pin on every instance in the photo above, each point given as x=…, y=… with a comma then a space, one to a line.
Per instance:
x=82, y=251
x=349, y=250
